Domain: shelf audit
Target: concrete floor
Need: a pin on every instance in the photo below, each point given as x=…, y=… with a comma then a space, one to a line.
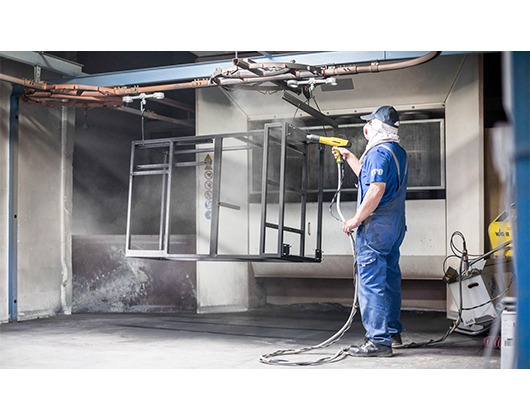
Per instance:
x=226, y=341
x=139, y=366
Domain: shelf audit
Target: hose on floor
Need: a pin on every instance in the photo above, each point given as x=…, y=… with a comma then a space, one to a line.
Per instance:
x=272, y=358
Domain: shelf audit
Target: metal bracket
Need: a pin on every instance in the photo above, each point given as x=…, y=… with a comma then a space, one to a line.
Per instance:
x=36, y=73
x=311, y=111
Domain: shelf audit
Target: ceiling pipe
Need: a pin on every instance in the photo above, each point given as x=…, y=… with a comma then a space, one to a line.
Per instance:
x=377, y=67
x=251, y=73
x=300, y=71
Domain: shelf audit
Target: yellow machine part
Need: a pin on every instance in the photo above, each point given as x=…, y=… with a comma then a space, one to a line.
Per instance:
x=500, y=232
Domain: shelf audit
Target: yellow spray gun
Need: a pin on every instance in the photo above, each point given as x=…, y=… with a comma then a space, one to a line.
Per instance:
x=330, y=141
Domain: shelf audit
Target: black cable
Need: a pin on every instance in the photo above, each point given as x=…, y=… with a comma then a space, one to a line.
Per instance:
x=457, y=322
x=294, y=115
x=464, y=265
x=143, y=129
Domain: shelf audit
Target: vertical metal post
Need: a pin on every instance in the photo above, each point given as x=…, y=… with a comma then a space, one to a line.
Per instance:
x=169, y=177
x=281, y=197
x=318, y=252
x=129, y=204
x=12, y=284
x=520, y=90
x=264, y=189
x=303, y=201
x=216, y=195
x=163, y=201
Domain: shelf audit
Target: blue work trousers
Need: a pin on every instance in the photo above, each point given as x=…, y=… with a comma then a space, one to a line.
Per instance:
x=378, y=240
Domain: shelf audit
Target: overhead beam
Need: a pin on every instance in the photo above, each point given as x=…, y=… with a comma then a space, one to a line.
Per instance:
x=311, y=111
x=175, y=104
x=45, y=61
x=154, y=116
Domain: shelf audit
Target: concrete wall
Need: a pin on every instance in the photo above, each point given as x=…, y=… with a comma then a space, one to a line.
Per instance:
x=44, y=211
x=42, y=197
x=452, y=83
x=465, y=156
x=101, y=278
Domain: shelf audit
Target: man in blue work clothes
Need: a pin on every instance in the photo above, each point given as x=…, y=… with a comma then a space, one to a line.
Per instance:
x=380, y=223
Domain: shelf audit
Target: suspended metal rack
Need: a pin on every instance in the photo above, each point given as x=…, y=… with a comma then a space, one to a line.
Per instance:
x=156, y=185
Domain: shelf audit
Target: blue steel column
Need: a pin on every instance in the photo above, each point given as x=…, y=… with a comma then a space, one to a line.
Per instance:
x=520, y=73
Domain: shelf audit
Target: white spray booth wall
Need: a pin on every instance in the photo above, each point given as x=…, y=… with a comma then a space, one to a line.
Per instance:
x=451, y=82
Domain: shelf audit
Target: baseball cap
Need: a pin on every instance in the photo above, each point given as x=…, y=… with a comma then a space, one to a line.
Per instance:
x=386, y=114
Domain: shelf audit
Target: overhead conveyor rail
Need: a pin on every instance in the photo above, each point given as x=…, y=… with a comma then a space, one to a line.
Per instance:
x=223, y=168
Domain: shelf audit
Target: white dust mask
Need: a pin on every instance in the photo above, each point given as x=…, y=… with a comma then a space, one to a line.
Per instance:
x=369, y=131
x=377, y=132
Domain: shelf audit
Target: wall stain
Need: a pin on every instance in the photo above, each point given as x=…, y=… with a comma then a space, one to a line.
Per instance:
x=104, y=280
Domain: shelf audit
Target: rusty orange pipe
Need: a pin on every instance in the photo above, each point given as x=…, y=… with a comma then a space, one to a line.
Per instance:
x=44, y=90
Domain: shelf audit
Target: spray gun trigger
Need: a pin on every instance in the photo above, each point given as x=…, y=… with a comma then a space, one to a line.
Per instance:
x=338, y=156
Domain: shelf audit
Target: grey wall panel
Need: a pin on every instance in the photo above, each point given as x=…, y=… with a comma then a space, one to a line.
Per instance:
x=41, y=203
x=5, y=92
